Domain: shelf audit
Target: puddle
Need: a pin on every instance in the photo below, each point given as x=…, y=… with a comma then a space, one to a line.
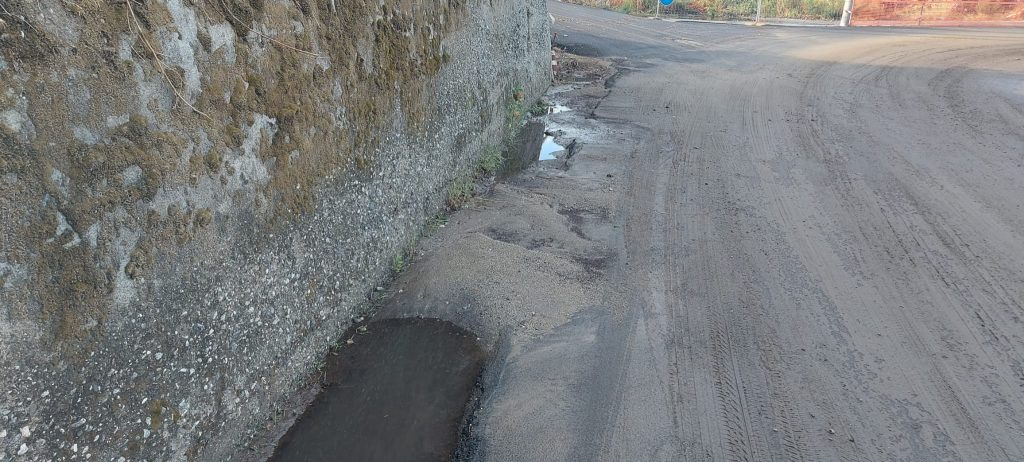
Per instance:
x=525, y=148
x=532, y=144
x=558, y=109
x=398, y=393
x=549, y=148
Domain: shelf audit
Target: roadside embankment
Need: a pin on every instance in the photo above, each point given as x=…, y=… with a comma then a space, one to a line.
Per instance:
x=197, y=197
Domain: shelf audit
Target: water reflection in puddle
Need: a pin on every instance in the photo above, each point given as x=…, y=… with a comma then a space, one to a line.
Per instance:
x=549, y=148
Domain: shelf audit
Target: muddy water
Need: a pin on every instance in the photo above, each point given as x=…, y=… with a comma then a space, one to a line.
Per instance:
x=397, y=393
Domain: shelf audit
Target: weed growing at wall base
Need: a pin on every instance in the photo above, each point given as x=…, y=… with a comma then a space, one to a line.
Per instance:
x=515, y=114
x=491, y=160
x=459, y=192
x=399, y=263
x=541, y=108
x=435, y=223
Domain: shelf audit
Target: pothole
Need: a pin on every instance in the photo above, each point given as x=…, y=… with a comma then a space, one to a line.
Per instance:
x=395, y=389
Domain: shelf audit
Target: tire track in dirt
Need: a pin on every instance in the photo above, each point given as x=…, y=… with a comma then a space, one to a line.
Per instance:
x=784, y=414
x=730, y=360
x=847, y=192
x=961, y=413
x=810, y=268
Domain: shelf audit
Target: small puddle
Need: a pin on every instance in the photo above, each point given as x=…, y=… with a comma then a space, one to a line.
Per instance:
x=398, y=392
x=558, y=109
x=549, y=148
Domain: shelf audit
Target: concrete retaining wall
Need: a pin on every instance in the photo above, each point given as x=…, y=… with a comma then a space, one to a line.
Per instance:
x=198, y=195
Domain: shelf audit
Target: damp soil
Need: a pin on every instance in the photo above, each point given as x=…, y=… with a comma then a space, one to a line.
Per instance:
x=397, y=391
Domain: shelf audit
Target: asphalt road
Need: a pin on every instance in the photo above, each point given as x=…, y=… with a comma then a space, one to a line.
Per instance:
x=773, y=244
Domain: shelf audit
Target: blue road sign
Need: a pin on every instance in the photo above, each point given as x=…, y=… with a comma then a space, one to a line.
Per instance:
x=666, y=2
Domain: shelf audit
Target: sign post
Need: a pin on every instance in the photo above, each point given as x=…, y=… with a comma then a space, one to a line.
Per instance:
x=847, y=12
x=657, y=7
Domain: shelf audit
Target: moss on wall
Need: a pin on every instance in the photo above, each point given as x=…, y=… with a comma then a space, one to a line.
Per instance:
x=108, y=92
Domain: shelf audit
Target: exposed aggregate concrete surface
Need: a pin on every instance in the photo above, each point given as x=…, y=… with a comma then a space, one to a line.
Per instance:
x=196, y=197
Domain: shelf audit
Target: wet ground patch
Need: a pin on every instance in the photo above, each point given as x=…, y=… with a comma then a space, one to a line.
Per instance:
x=595, y=266
x=395, y=389
x=515, y=238
x=580, y=217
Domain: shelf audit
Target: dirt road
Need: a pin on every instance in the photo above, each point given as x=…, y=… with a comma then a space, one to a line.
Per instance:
x=773, y=244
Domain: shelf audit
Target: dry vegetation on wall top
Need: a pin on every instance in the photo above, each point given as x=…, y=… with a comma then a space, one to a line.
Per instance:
x=115, y=113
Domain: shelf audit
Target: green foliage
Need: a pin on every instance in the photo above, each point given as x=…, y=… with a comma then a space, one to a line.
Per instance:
x=491, y=160
x=398, y=264
x=539, y=109
x=435, y=223
x=516, y=113
x=459, y=192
